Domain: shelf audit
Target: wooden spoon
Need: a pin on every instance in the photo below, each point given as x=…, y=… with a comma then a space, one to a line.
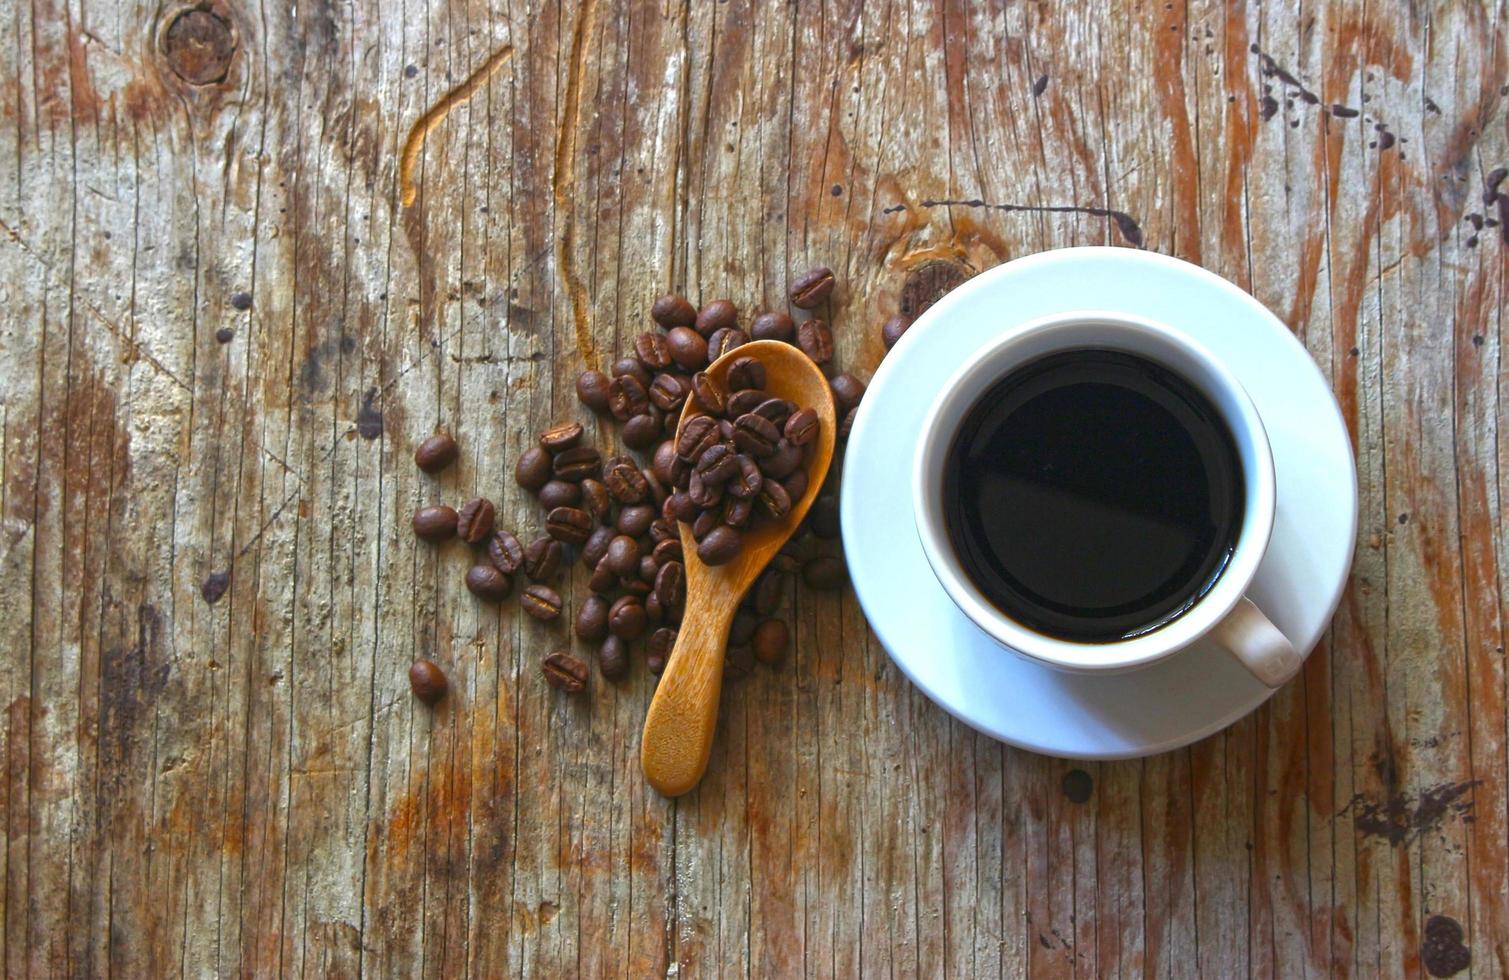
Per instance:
x=678, y=730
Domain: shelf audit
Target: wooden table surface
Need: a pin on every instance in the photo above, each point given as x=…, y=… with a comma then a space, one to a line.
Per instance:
x=224, y=332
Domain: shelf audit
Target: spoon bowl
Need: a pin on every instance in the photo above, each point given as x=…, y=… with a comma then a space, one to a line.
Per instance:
x=678, y=730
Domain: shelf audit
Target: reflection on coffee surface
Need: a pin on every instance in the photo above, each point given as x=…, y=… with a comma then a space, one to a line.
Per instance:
x=1093, y=495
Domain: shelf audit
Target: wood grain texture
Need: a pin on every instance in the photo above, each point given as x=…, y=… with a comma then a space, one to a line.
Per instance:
x=224, y=335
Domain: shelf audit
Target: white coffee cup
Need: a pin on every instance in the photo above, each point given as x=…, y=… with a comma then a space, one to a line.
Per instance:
x=1223, y=613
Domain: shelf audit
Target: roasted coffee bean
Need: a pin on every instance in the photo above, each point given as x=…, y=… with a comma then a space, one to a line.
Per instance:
x=795, y=485
x=777, y=410
x=670, y=584
x=802, y=426
x=623, y=555
x=708, y=394
x=627, y=367
x=592, y=390
x=755, y=435
x=672, y=310
x=542, y=602
x=769, y=591
x=823, y=517
x=668, y=551
x=737, y=512
x=658, y=491
x=783, y=462
x=648, y=566
x=717, y=464
x=662, y=460
x=654, y=612
x=560, y=437
x=658, y=650
x=597, y=545
x=726, y=429
x=705, y=524
x=613, y=659
x=603, y=579
x=596, y=500
x=542, y=559
x=688, y=348
x=697, y=434
x=487, y=583
x=635, y=519
x=634, y=585
x=626, y=618
x=825, y=574
x=436, y=453
x=559, y=493
x=725, y=340
x=506, y=552
x=745, y=483
x=815, y=340
x=680, y=506
x=474, y=522
x=670, y=424
x=847, y=425
x=720, y=546
x=641, y=432
x=681, y=472
x=717, y=315
x=592, y=618
x=576, y=465
x=624, y=481
x=771, y=638
x=742, y=629
x=772, y=326
x=847, y=390
x=742, y=403
x=435, y=523
x=663, y=531
x=892, y=329
x=774, y=499
x=427, y=681
x=652, y=350
x=569, y=525
x=812, y=287
x=704, y=494
x=745, y=372
x=532, y=471
x=627, y=397
x=668, y=392
x=565, y=673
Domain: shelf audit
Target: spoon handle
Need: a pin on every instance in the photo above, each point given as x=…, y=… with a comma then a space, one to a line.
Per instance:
x=678, y=730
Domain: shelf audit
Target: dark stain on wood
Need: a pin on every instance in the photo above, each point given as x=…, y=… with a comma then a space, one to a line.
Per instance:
x=369, y=416
x=131, y=678
x=1398, y=820
x=215, y=585
x=1078, y=786
x=1442, y=950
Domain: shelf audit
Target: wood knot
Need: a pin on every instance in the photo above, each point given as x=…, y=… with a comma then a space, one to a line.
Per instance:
x=199, y=45
x=930, y=282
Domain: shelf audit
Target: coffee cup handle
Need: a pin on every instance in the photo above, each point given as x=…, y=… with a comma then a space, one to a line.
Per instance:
x=1257, y=644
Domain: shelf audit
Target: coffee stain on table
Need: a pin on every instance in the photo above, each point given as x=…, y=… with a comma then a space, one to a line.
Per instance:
x=1442, y=950
x=1401, y=820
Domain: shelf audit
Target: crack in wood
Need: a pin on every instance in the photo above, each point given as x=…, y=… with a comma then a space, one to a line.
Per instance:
x=563, y=180
x=1125, y=223
x=435, y=115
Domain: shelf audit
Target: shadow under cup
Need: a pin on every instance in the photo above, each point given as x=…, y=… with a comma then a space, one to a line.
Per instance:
x=1001, y=404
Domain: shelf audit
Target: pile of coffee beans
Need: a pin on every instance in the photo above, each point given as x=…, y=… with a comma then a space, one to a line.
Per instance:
x=617, y=514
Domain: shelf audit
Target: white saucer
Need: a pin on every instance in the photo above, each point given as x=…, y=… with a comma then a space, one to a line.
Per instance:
x=1176, y=701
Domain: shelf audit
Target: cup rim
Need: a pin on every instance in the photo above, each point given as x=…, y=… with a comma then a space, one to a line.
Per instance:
x=966, y=385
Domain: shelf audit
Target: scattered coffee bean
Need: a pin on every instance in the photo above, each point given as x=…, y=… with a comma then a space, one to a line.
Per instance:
x=847, y=390
x=847, y=425
x=892, y=329
x=648, y=566
x=745, y=372
x=623, y=555
x=487, y=583
x=542, y=602
x=717, y=315
x=771, y=638
x=627, y=619
x=672, y=311
x=705, y=524
x=627, y=367
x=474, y=522
x=595, y=500
x=592, y=618
x=427, y=681
x=815, y=340
x=769, y=591
x=812, y=288
x=569, y=525
x=742, y=630
x=668, y=392
x=679, y=506
x=596, y=545
x=670, y=584
x=825, y=574
x=624, y=481
x=719, y=546
x=658, y=492
x=737, y=513
x=565, y=673
x=653, y=351
x=561, y=437
x=532, y=471
x=603, y=578
x=725, y=340
x=628, y=397
x=542, y=559
x=559, y=493
x=506, y=552
x=823, y=517
x=634, y=585
x=592, y=390
x=436, y=453
x=613, y=659
x=635, y=519
x=578, y=464
x=698, y=434
x=773, y=326
x=667, y=551
x=688, y=348
x=662, y=460
x=435, y=523
x=641, y=432
x=659, y=648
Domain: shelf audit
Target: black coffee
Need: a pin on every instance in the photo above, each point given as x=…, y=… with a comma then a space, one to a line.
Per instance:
x=1093, y=495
